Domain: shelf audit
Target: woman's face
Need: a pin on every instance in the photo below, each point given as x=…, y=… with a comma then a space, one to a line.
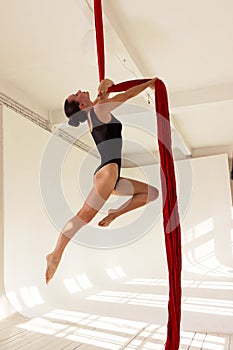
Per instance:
x=82, y=97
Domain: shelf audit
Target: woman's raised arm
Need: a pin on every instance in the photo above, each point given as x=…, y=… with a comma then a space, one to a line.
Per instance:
x=115, y=101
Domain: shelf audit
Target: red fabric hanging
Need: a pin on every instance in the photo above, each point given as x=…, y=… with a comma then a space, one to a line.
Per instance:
x=99, y=38
x=171, y=220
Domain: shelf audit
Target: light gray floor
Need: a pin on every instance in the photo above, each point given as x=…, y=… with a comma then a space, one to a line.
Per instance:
x=18, y=332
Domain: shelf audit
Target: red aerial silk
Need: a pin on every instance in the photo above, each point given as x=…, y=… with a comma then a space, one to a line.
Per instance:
x=171, y=220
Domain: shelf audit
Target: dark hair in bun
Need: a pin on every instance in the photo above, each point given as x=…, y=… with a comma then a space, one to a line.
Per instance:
x=74, y=113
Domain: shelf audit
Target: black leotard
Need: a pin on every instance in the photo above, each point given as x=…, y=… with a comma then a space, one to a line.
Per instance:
x=108, y=139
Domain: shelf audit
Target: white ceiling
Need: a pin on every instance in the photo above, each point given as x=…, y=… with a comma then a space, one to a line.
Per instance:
x=48, y=51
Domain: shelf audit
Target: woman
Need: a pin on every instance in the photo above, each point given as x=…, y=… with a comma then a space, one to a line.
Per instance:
x=106, y=132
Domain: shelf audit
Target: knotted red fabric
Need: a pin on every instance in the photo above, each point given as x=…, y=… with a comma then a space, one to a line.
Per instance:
x=171, y=222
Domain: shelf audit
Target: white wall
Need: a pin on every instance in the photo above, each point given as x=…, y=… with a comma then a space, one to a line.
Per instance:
x=207, y=247
x=5, y=308
x=139, y=288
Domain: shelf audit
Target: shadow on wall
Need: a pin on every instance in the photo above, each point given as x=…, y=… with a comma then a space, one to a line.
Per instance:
x=208, y=272
x=208, y=252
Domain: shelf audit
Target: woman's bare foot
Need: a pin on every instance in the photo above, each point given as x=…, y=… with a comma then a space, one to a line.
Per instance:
x=52, y=265
x=109, y=218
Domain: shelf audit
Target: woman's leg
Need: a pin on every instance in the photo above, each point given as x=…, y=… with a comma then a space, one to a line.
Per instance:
x=104, y=183
x=141, y=193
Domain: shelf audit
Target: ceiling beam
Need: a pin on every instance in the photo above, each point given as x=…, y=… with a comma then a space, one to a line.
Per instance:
x=209, y=94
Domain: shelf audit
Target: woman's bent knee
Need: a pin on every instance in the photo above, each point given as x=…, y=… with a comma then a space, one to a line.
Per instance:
x=153, y=193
